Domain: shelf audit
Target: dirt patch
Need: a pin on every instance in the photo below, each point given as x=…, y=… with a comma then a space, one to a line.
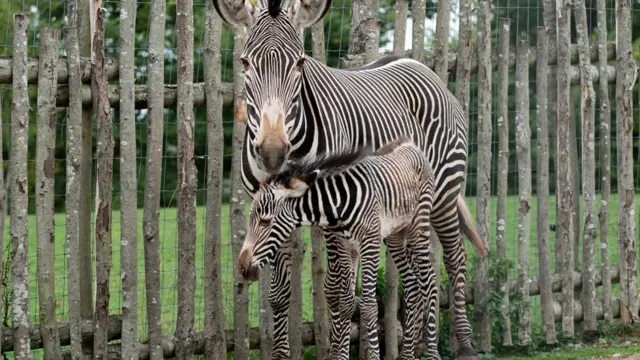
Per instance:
x=625, y=357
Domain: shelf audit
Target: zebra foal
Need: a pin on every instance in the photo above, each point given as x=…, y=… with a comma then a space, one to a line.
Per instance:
x=358, y=198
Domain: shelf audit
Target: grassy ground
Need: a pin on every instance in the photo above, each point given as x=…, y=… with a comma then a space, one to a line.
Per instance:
x=169, y=263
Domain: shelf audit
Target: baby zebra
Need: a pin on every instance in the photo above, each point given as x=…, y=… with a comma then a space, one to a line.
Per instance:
x=357, y=198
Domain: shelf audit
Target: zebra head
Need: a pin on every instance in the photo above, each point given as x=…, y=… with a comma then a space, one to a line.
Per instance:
x=273, y=60
x=274, y=216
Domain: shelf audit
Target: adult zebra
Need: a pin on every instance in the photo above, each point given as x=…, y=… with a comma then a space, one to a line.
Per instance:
x=298, y=107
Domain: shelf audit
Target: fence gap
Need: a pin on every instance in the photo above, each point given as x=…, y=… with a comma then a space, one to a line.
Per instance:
x=237, y=214
x=503, y=167
x=321, y=326
x=542, y=185
x=588, y=171
x=523, y=154
x=214, y=319
x=128, y=183
x=45, y=162
x=19, y=194
x=155, y=130
x=625, y=79
x=564, y=175
x=483, y=324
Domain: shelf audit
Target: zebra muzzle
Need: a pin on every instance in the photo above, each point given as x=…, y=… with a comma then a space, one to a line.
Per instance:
x=246, y=267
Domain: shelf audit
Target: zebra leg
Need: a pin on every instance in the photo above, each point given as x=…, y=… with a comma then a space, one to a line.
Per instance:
x=368, y=304
x=447, y=227
x=339, y=287
x=412, y=294
x=279, y=299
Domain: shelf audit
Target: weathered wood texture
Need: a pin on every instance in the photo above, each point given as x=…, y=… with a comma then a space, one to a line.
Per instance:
x=85, y=38
x=418, y=9
x=237, y=216
x=463, y=66
x=3, y=199
x=504, y=30
x=128, y=183
x=542, y=186
x=442, y=40
x=483, y=324
x=588, y=169
x=605, y=159
x=104, y=176
x=72, y=197
x=45, y=161
x=151, y=217
x=214, y=319
x=187, y=182
x=19, y=194
x=626, y=74
x=318, y=271
x=523, y=154
x=564, y=175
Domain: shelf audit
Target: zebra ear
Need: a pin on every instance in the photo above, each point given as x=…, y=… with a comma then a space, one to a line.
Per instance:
x=297, y=186
x=237, y=13
x=305, y=13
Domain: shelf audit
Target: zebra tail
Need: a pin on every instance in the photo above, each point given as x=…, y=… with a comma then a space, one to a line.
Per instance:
x=468, y=229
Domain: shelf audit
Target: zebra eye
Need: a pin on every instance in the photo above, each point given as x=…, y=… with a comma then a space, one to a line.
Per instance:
x=300, y=63
x=245, y=63
x=264, y=222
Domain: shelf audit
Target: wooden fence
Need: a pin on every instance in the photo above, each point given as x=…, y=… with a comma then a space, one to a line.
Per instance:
x=61, y=82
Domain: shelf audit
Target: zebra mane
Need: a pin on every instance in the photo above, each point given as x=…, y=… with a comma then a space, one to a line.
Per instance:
x=333, y=163
x=274, y=7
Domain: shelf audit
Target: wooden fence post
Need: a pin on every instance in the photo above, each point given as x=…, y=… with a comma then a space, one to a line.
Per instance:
x=128, y=183
x=214, y=319
x=155, y=130
x=503, y=165
x=318, y=272
x=564, y=175
x=523, y=153
x=45, y=161
x=72, y=197
x=19, y=194
x=104, y=175
x=626, y=73
x=542, y=185
x=605, y=159
x=483, y=325
x=187, y=183
x=237, y=210
x=588, y=171
x=3, y=199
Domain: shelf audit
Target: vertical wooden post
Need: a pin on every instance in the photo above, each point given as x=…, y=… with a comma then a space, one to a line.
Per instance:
x=463, y=71
x=104, y=176
x=237, y=209
x=3, y=199
x=214, y=319
x=45, y=161
x=72, y=197
x=503, y=166
x=605, y=159
x=588, y=170
x=483, y=327
x=542, y=185
x=155, y=130
x=128, y=183
x=523, y=152
x=418, y=14
x=564, y=175
x=321, y=326
x=19, y=195
x=551, y=23
x=625, y=78
x=84, y=25
x=187, y=183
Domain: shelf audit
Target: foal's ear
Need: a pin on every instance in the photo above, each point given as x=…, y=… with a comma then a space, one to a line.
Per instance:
x=237, y=13
x=305, y=13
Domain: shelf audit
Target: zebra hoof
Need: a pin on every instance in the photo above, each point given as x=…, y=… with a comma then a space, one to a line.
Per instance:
x=466, y=353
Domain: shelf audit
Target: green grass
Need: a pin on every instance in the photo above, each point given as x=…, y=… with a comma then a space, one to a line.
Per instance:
x=169, y=263
x=578, y=353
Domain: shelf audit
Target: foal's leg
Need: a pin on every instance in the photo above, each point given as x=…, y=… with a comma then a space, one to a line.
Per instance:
x=279, y=299
x=368, y=306
x=412, y=293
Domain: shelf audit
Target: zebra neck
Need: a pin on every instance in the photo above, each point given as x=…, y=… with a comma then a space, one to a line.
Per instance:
x=314, y=208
